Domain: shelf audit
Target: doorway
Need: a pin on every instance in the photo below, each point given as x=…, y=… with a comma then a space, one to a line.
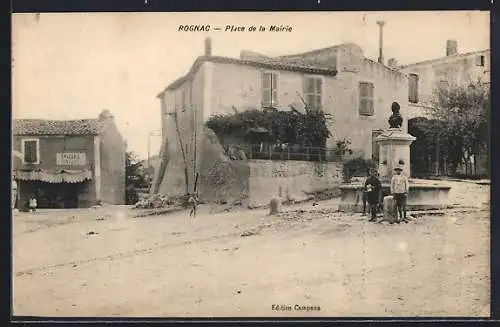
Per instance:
x=57, y=195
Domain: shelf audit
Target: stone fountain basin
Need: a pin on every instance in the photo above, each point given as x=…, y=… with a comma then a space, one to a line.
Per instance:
x=422, y=195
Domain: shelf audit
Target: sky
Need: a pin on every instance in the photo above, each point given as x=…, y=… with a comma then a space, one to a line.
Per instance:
x=74, y=65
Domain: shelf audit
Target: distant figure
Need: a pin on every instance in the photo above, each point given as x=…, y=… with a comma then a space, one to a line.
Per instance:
x=193, y=201
x=399, y=190
x=33, y=203
x=14, y=193
x=365, y=194
x=396, y=120
x=373, y=189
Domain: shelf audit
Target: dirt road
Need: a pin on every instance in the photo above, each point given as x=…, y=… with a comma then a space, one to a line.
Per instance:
x=306, y=262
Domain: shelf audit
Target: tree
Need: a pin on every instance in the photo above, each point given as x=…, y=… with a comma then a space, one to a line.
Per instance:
x=460, y=121
x=135, y=177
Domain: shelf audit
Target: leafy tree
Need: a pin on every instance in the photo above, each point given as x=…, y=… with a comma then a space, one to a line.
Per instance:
x=135, y=177
x=460, y=121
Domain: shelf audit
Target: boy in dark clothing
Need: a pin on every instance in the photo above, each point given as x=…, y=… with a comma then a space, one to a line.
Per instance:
x=373, y=189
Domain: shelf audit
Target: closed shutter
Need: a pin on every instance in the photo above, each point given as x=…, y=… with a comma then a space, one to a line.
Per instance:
x=313, y=92
x=413, y=88
x=269, y=89
x=274, y=88
x=30, y=151
x=366, y=107
x=318, y=102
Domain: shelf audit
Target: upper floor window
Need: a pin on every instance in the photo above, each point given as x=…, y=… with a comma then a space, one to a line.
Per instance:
x=413, y=88
x=31, y=151
x=366, y=105
x=480, y=61
x=269, y=89
x=313, y=92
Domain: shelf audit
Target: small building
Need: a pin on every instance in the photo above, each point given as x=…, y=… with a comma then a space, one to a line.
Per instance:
x=69, y=163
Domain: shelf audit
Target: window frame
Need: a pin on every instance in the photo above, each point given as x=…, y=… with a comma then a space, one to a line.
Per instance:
x=317, y=91
x=410, y=93
x=481, y=61
x=23, y=150
x=361, y=97
x=272, y=89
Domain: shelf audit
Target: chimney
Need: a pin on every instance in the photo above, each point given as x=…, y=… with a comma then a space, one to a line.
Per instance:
x=208, y=46
x=451, y=47
x=392, y=63
x=381, y=24
x=105, y=115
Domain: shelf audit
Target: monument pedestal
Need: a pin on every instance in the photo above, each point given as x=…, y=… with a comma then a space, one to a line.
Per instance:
x=394, y=150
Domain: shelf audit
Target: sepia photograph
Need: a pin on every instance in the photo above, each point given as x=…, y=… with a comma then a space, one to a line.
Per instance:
x=251, y=164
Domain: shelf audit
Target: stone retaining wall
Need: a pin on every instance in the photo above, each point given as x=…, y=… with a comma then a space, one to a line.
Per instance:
x=290, y=180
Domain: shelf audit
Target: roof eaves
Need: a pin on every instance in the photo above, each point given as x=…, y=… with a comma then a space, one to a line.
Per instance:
x=255, y=63
x=273, y=64
x=459, y=55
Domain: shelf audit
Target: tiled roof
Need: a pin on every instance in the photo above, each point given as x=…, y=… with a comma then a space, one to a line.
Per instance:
x=446, y=58
x=270, y=63
x=57, y=127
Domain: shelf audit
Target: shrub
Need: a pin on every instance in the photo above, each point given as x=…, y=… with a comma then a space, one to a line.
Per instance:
x=292, y=127
x=357, y=167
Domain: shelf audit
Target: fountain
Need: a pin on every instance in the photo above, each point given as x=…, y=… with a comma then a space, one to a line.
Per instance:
x=394, y=145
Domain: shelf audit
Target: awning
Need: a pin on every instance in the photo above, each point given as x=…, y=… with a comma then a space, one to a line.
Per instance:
x=58, y=176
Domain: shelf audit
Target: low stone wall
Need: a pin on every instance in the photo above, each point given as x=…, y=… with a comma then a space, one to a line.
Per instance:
x=290, y=180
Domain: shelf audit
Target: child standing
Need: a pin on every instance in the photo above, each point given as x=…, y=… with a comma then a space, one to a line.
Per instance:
x=193, y=201
x=33, y=203
x=373, y=189
x=399, y=189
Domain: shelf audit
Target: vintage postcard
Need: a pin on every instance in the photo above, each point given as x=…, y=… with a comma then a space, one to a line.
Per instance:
x=266, y=164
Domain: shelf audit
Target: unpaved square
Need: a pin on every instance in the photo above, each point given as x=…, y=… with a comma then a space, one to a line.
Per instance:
x=104, y=263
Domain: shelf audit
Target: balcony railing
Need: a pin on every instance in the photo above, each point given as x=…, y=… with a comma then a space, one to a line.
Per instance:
x=282, y=152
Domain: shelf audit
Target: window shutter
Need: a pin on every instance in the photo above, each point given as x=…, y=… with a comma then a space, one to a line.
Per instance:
x=318, y=85
x=310, y=85
x=30, y=153
x=274, y=88
x=266, y=89
x=366, y=104
x=319, y=93
x=265, y=81
x=413, y=88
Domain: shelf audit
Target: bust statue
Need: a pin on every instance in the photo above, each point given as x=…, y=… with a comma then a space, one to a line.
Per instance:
x=396, y=120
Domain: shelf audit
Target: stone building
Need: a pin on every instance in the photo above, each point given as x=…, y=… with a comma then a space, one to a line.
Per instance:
x=69, y=163
x=354, y=91
x=453, y=69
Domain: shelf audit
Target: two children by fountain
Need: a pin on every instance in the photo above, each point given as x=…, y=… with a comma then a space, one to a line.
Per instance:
x=398, y=189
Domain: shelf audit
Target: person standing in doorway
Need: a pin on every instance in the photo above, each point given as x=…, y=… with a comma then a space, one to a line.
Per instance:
x=373, y=189
x=399, y=190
